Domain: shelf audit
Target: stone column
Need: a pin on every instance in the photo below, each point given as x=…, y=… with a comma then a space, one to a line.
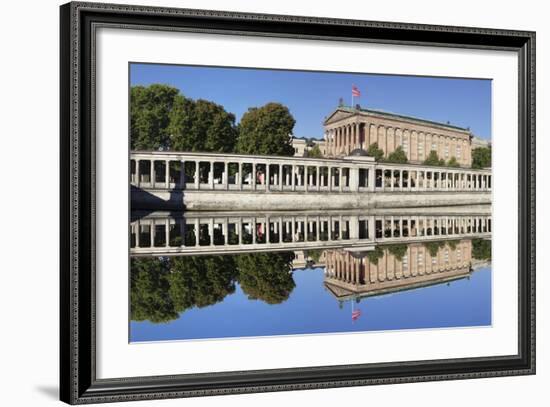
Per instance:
x=267, y=176
x=138, y=232
x=211, y=175
x=167, y=174
x=211, y=231
x=225, y=175
x=152, y=228
x=138, y=175
x=253, y=176
x=182, y=174
x=240, y=231
x=167, y=233
x=152, y=173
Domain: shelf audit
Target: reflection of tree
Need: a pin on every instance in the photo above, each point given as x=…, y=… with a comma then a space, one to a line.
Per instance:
x=481, y=249
x=163, y=288
x=149, y=291
x=266, y=276
x=398, y=250
x=375, y=255
x=433, y=247
x=199, y=281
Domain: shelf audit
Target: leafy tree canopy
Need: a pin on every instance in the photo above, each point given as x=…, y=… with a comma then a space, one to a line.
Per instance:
x=314, y=152
x=433, y=159
x=266, y=130
x=150, y=108
x=481, y=157
x=397, y=156
x=453, y=162
x=374, y=151
x=162, y=118
x=201, y=126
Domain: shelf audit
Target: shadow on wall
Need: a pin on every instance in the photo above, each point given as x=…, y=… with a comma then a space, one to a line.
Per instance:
x=142, y=200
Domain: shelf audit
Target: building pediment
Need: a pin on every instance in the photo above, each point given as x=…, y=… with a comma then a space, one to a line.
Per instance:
x=337, y=115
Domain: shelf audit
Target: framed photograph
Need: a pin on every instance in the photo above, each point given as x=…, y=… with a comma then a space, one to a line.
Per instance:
x=254, y=203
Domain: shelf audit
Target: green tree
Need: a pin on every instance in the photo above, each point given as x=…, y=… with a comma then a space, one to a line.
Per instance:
x=150, y=108
x=481, y=157
x=201, y=126
x=266, y=130
x=397, y=156
x=314, y=152
x=481, y=249
x=374, y=151
x=266, y=276
x=453, y=162
x=433, y=159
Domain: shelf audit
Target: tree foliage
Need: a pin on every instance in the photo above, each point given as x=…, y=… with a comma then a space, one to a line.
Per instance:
x=314, y=152
x=375, y=151
x=397, y=156
x=201, y=126
x=481, y=157
x=433, y=159
x=150, y=108
x=266, y=130
x=266, y=276
x=162, y=118
x=453, y=162
x=481, y=249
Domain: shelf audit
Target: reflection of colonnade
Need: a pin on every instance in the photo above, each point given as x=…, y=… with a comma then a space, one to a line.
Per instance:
x=376, y=272
x=230, y=233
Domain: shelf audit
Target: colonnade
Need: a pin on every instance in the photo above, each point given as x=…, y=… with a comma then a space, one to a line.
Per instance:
x=204, y=171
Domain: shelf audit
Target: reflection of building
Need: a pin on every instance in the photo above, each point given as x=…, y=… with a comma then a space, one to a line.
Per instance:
x=216, y=233
x=349, y=128
x=373, y=273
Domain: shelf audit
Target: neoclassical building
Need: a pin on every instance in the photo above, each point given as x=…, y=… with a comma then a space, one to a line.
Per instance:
x=349, y=128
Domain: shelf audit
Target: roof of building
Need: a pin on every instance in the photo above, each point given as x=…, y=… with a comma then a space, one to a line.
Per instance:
x=358, y=152
x=394, y=115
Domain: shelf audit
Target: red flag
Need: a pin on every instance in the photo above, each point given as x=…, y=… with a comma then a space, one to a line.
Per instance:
x=355, y=91
x=355, y=314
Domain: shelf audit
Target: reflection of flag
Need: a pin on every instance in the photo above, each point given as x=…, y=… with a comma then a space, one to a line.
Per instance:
x=355, y=314
x=355, y=91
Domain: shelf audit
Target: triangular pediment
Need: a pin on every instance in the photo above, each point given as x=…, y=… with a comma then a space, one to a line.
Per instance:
x=337, y=115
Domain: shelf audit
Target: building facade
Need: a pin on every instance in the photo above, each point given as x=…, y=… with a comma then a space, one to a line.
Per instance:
x=302, y=144
x=346, y=129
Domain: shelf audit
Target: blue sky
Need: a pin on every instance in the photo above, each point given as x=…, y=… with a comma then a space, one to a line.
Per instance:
x=311, y=96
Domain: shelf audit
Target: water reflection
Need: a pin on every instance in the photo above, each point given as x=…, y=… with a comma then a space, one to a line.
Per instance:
x=164, y=288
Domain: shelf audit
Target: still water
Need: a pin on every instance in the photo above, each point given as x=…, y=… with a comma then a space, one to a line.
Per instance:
x=434, y=284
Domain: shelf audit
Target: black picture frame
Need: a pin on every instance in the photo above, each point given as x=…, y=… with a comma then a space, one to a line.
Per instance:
x=78, y=382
